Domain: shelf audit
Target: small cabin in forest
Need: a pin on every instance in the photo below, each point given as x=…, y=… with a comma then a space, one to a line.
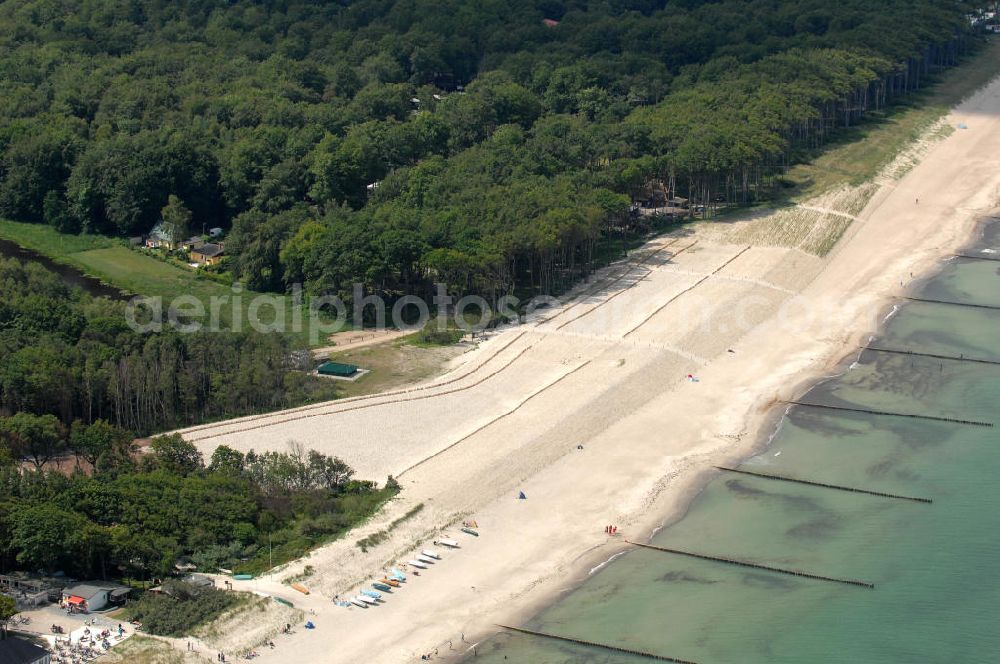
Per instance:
x=192, y=243
x=159, y=238
x=207, y=254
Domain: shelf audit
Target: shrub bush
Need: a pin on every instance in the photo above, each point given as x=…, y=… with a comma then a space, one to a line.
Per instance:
x=180, y=608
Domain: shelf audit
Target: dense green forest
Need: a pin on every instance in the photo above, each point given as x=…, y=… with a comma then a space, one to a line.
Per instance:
x=76, y=382
x=74, y=357
x=495, y=146
x=137, y=516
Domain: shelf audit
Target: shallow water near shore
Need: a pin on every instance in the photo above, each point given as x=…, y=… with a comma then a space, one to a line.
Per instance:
x=937, y=585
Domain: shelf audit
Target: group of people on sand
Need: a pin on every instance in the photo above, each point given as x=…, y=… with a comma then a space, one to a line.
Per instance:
x=611, y=530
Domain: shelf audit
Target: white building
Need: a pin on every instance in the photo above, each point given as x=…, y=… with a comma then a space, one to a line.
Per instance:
x=94, y=596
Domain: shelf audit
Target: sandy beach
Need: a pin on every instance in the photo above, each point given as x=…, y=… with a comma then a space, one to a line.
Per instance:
x=609, y=410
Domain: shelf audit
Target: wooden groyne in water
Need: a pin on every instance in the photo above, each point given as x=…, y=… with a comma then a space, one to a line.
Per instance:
x=913, y=353
x=594, y=644
x=953, y=303
x=751, y=564
x=823, y=485
x=866, y=411
x=978, y=258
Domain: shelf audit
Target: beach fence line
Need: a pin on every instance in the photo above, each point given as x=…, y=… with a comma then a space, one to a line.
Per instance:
x=959, y=358
x=866, y=411
x=594, y=644
x=602, y=286
x=496, y=419
x=795, y=480
x=978, y=258
x=751, y=564
x=953, y=303
x=689, y=288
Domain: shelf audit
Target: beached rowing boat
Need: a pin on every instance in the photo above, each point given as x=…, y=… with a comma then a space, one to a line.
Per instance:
x=357, y=601
x=425, y=559
x=384, y=587
x=372, y=594
x=367, y=600
x=470, y=531
x=431, y=553
x=416, y=563
x=450, y=543
x=391, y=582
x=396, y=574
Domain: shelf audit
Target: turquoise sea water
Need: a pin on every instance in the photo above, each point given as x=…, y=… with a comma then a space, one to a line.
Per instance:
x=937, y=581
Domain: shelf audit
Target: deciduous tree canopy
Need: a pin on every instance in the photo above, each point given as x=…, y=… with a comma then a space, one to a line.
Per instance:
x=65, y=356
x=139, y=517
x=400, y=142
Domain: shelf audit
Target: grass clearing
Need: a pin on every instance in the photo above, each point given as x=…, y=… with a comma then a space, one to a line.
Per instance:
x=395, y=364
x=46, y=240
x=135, y=271
x=110, y=260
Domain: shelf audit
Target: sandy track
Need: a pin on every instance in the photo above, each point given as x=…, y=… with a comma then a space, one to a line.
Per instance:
x=649, y=435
